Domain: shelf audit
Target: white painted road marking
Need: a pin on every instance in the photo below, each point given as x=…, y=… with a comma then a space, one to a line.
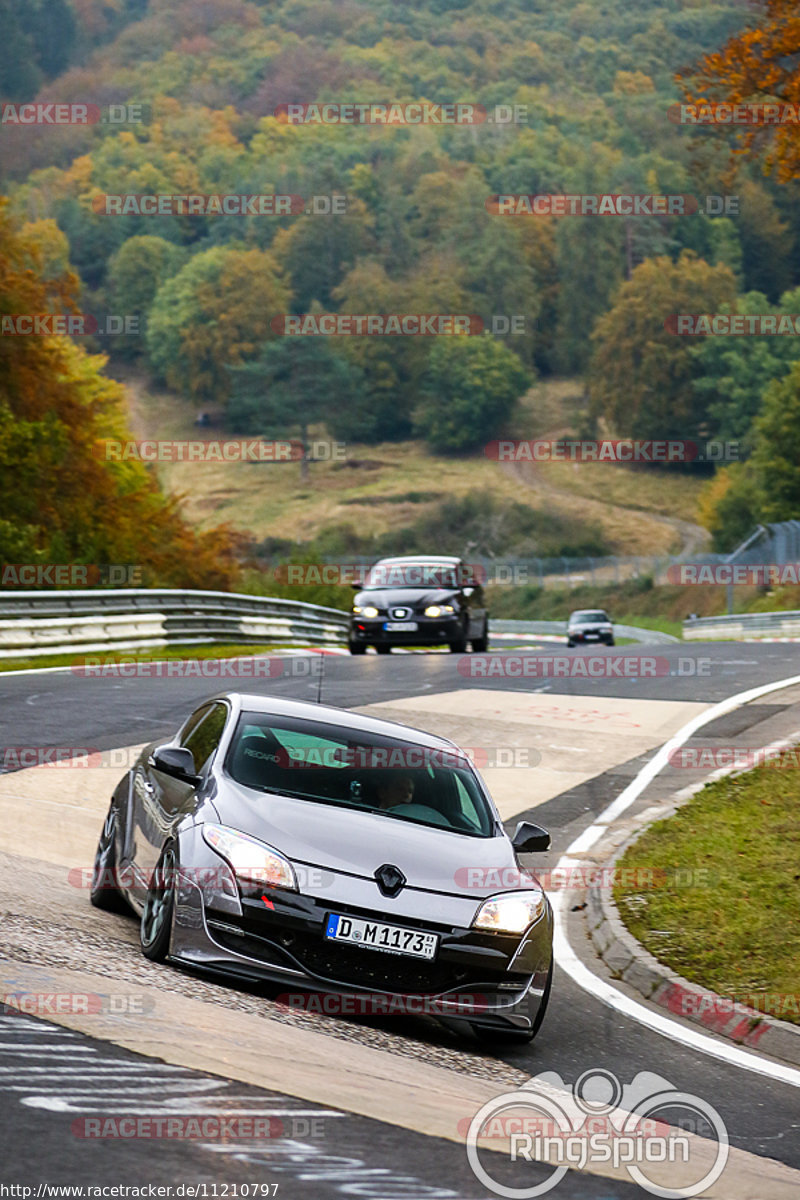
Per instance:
x=568, y=960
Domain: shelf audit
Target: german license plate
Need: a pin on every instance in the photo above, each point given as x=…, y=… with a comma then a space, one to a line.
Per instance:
x=400, y=626
x=375, y=935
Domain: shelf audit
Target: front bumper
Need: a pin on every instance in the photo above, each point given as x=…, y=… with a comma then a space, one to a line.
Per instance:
x=488, y=980
x=430, y=631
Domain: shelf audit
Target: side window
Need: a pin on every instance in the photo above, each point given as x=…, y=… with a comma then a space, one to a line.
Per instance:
x=192, y=722
x=204, y=737
x=478, y=819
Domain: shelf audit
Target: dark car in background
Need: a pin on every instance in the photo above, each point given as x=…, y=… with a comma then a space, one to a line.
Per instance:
x=419, y=601
x=589, y=625
x=331, y=852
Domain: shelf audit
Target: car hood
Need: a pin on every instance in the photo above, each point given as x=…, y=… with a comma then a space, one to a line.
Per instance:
x=357, y=843
x=411, y=597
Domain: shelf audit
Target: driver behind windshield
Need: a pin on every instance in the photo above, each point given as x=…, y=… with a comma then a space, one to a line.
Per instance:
x=395, y=790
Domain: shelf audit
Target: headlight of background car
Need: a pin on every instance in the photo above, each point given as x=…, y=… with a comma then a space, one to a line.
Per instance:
x=439, y=610
x=512, y=912
x=369, y=611
x=254, y=864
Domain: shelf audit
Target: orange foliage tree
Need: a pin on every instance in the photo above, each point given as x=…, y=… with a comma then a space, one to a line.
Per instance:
x=760, y=64
x=60, y=501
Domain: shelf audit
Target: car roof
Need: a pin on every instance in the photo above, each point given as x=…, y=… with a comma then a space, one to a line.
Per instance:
x=580, y=612
x=328, y=715
x=422, y=558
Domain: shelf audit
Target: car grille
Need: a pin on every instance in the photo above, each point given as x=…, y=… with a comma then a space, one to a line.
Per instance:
x=368, y=968
x=351, y=966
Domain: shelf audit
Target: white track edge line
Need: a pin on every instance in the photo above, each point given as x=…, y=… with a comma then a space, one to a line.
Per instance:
x=568, y=960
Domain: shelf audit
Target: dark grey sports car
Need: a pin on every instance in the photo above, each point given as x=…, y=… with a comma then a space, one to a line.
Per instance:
x=332, y=853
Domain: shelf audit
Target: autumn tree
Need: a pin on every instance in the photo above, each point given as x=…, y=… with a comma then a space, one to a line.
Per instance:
x=295, y=382
x=766, y=488
x=470, y=389
x=641, y=371
x=759, y=64
x=63, y=496
x=137, y=270
x=214, y=313
x=732, y=373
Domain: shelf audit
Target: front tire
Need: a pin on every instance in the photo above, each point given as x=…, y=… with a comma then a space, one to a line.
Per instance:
x=104, y=892
x=459, y=644
x=357, y=648
x=156, y=928
x=481, y=645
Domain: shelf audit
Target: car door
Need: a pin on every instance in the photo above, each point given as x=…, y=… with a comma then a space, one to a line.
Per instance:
x=160, y=800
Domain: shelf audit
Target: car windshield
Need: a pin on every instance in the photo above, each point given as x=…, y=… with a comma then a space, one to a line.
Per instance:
x=412, y=575
x=331, y=764
x=588, y=617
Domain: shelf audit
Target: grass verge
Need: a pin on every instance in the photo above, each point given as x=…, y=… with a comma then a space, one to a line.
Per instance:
x=735, y=931
x=158, y=654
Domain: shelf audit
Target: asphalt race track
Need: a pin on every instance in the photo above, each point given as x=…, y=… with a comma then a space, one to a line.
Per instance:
x=592, y=734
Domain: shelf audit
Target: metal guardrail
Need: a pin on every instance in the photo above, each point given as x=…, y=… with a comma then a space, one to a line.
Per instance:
x=33, y=624
x=559, y=629
x=743, y=625
x=53, y=622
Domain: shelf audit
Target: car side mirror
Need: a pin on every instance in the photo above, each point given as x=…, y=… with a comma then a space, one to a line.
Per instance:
x=177, y=762
x=468, y=591
x=530, y=838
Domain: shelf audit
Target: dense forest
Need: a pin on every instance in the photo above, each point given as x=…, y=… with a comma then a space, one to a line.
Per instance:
x=198, y=90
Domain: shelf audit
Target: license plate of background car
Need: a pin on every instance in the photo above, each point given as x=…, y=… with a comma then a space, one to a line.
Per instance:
x=400, y=626
x=375, y=935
